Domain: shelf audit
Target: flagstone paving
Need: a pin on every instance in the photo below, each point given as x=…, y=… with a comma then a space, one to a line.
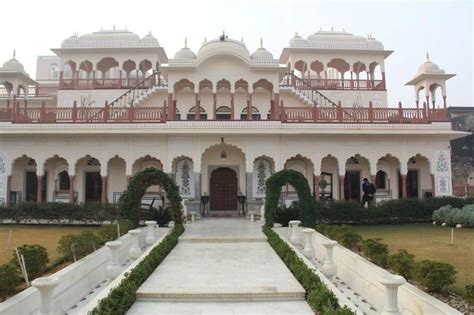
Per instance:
x=221, y=266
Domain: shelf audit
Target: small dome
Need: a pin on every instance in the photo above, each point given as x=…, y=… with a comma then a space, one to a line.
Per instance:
x=223, y=46
x=185, y=53
x=297, y=42
x=429, y=67
x=261, y=53
x=150, y=41
x=13, y=65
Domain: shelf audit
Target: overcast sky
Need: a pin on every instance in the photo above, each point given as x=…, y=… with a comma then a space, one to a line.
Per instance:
x=444, y=29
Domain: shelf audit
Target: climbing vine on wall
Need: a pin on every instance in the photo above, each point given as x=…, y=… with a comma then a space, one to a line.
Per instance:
x=306, y=202
x=129, y=203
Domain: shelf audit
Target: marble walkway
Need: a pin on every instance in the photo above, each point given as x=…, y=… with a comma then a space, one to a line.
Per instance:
x=221, y=266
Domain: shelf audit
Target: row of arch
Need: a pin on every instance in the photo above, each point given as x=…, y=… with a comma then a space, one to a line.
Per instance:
x=223, y=84
x=336, y=69
x=107, y=67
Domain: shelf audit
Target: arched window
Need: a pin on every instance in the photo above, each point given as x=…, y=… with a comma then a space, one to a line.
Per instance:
x=255, y=114
x=223, y=113
x=178, y=114
x=53, y=72
x=380, y=180
x=63, y=179
x=192, y=112
x=269, y=114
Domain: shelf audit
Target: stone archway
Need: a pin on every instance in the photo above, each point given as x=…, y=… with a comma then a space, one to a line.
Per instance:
x=300, y=183
x=129, y=203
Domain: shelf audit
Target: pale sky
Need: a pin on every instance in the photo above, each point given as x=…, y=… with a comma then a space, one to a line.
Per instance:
x=444, y=29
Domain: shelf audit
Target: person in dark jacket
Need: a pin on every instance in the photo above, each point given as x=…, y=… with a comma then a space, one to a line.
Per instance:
x=369, y=191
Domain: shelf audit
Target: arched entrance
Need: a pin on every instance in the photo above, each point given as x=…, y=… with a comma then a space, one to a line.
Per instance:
x=223, y=189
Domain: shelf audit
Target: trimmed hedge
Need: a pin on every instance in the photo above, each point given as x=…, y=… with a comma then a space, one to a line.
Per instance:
x=306, y=202
x=121, y=298
x=129, y=203
x=434, y=275
x=56, y=212
x=320, y=298
x=453, y=216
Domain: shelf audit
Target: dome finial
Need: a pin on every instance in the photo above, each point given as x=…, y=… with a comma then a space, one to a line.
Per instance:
x=185, y=42
x=427, y=56
x=14, y=53
x=113, y=27
x=205, y=39
x=332, y=28
x=261, y=42
x=296, y=34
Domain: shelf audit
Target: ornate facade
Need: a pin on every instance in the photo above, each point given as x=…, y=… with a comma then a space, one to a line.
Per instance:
x=220, y=121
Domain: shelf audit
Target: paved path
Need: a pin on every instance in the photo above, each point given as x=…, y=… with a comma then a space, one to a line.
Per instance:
x=221, y=266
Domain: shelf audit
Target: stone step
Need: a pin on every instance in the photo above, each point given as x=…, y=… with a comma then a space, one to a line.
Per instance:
x=188, y=239
x=241, y=294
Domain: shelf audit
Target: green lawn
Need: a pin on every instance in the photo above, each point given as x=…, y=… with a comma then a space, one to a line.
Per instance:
x=47, y=236
x=427, y=241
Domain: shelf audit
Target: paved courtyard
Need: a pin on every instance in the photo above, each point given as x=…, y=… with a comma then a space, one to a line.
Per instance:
x=221, y=266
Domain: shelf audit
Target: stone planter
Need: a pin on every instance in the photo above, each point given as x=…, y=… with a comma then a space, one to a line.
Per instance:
x=150, y=236
x=45, y=286
x=308, y=249
x=329, y=267
x=392, y=283
x=135, y=250
x=113, y=269
x=295, y=237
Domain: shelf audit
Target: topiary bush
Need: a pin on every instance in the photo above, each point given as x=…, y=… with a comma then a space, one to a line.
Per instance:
x=108, y=232
x=161, y=215
x=9, y=280
x=284, y=215
x=453, y=216
x=433, y=275
x=307, y=206
x=376, y=251
x=129, y=203
x=344, y=234
x=36, y=259
x=402, y=263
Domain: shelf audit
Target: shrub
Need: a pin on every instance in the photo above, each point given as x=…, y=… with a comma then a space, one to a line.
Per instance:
x=9, y=280
x=376, y=251
x=36, y=259
x=121, y=298
x=83, y=244
x=161, y=215
x=344, y=234
x=402, y=263
x=108, y=232
x=433, y=275
x=285, y=215
x=453, y=216
x=470, y=294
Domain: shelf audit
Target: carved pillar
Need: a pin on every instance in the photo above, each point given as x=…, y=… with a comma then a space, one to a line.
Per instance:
x=9, y=188
x=71, y=188
x=197, y=112
x=38, y=189
x=404, y=186
x=249, y=108
x=170, y=106
x=214, y=105
x=232, y=106
x=317, y=178
x=341, y=187
x=275, y=114
x=433, y=185
x=103, y=197
x=45, y=286
x=444, y=102
x=392, y=283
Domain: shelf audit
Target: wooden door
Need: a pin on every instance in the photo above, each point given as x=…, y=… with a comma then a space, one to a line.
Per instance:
x=412, y=184
x=31, y=186
x=93, y=186
x=223, y=190
x=352, y=186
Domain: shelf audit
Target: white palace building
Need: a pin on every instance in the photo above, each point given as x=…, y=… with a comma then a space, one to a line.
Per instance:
x=220, y=120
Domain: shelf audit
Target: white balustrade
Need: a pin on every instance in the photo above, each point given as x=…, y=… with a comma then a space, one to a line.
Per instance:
x=135, y=250
x=262, y=212
x=193, y=216
x=392, y=283
x=295, y=236
x=252, y=216
x=45, y=286
x=150, y=236
x=329, y=267
x=113, y=269
x=308, y=249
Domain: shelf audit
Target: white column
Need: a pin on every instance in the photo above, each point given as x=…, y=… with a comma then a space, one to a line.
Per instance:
x=150, y=236
x=329, y=267
x=135, y=250
x=308, y=249
x=45, y=286
x=113, y=269
x=252, y=215
x=391, y=283
x=295, y=237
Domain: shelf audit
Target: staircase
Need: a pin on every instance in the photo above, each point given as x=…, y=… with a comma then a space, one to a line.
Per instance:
x=140, y=92
x=302, y=90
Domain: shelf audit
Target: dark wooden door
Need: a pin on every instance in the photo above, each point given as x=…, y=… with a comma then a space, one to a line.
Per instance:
x=31, y=186
x=223, y=192
x=412, y=184
x=93, y=186
x=352, y=186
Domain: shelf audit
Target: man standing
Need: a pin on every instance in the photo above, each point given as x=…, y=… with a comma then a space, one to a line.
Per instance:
x=369, y=190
